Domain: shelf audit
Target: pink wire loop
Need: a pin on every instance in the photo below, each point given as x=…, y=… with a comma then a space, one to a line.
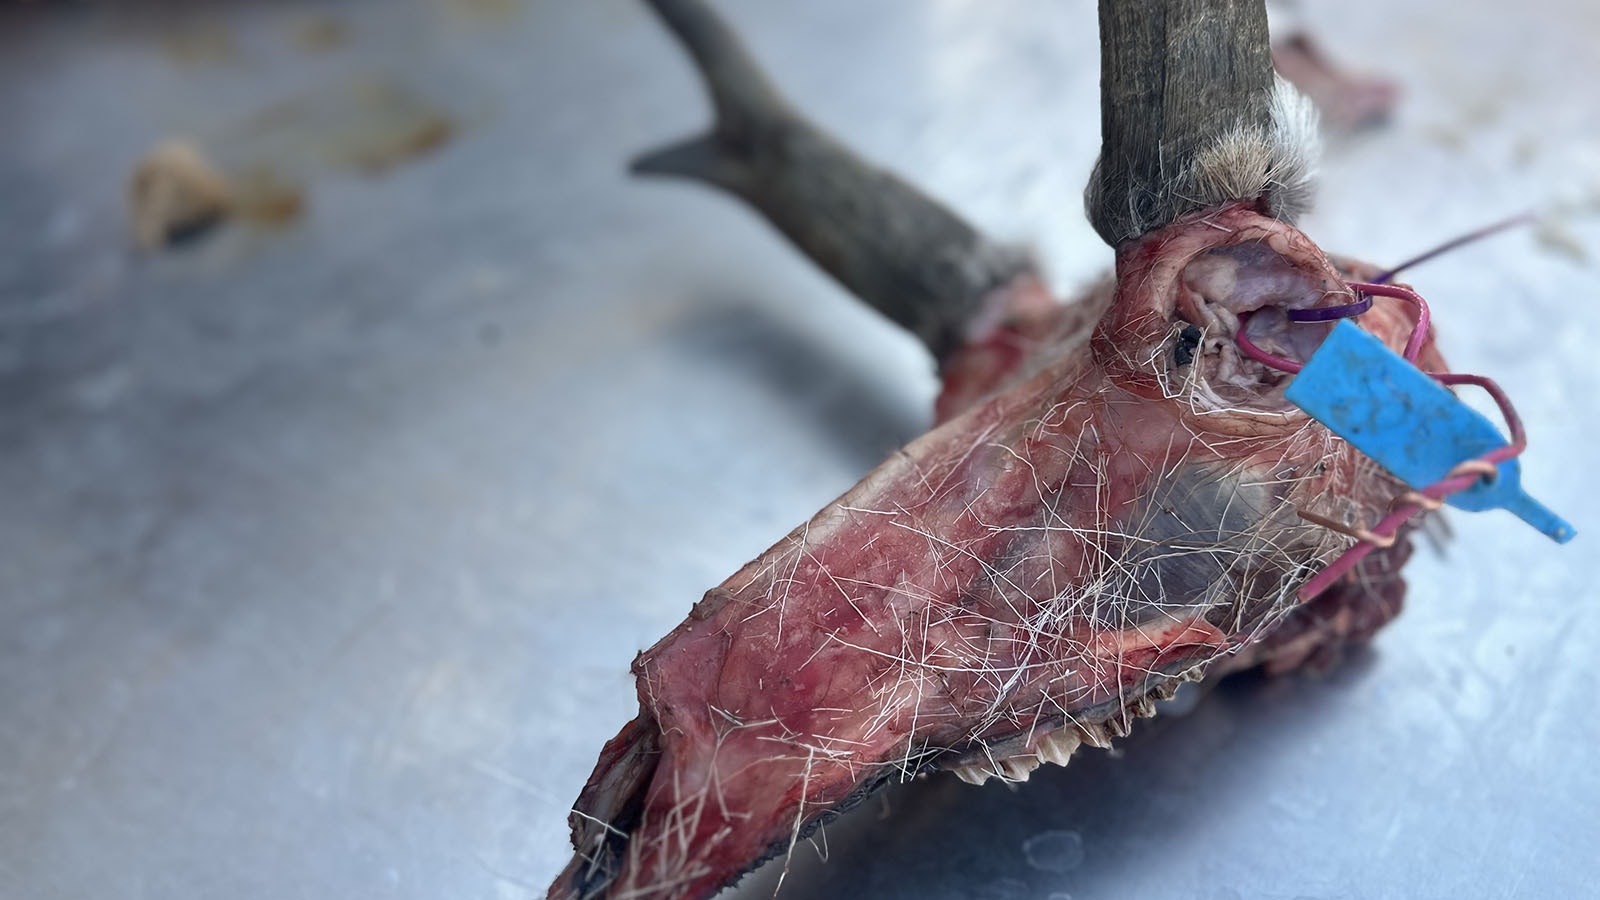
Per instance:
x=1271, y=361
x=1459, y=479
x=1419, y=334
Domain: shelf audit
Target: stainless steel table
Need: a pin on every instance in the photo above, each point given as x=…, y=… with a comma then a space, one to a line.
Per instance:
x=324, y=548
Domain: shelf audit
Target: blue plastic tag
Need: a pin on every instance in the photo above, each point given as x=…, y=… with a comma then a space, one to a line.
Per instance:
x=1410, y=424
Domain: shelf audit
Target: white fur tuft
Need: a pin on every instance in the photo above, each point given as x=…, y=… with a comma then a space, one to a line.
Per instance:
x=1277, y=164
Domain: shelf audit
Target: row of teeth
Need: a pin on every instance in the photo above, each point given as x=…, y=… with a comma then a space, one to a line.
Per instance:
x=1058, y=746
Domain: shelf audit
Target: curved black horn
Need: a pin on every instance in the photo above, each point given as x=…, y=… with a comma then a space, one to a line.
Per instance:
x=1189, y=116
x=899, y=250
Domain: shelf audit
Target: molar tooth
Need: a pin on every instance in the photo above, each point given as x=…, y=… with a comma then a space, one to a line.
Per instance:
x=1164, y=690
x=1119, y=725
x=1196, y=674
x=973, y=774
x=1094, y=735
x=1058, y=746
x=1018, y=768
x=1144, y=707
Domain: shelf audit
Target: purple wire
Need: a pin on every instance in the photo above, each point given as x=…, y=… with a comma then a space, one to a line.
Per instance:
x=1330, y=313
x=1486, y=231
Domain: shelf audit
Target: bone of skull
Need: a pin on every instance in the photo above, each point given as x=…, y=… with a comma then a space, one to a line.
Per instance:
x=1108, y=505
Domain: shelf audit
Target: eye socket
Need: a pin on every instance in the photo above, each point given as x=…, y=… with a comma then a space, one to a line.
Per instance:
x=1365, y=292
x=1184, y=348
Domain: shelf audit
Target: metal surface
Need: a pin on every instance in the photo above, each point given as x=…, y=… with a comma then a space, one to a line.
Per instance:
x=324, y=550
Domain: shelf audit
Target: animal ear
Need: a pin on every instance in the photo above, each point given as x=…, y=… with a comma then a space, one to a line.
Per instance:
x=902, y=252
x=1191, y=116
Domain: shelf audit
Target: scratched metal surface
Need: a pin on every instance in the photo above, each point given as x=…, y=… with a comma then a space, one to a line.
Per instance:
x=324, y=550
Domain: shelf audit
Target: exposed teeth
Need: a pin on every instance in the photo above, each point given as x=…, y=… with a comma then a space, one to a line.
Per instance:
x=1119, y=725
x=1014, y=768
x=1094, y=735
x=1018, y=768
x=1058, y=746
x=973, y=774
x=1198, y=673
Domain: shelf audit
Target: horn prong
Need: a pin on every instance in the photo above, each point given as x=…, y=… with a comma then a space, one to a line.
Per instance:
x=899, y=250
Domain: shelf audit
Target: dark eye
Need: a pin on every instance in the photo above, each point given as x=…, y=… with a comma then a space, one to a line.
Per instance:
x=1188, y=341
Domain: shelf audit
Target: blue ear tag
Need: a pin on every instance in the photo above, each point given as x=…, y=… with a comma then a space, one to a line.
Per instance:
x=1410, y=424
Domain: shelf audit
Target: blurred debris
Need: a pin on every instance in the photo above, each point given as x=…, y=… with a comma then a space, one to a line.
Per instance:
x=263, y=197
x=320, y=34
x=1555, y=236
x=385, y=125
x=489, y=10
x=207, y=45
x=1347, y=100
x=175, y=193
x=368, y=124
